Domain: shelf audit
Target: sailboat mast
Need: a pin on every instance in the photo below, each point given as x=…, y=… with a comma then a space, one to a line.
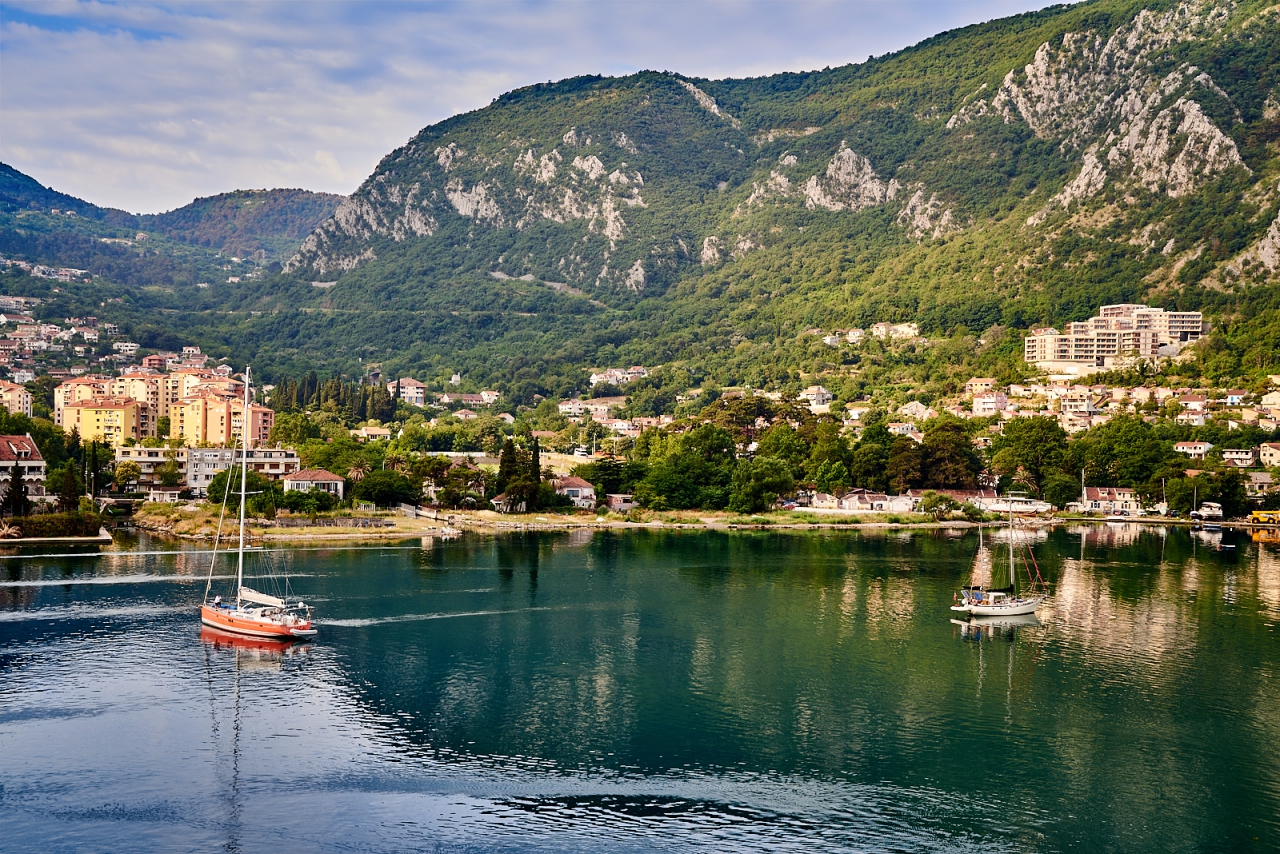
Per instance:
x=1013, y=576
x=244, y=475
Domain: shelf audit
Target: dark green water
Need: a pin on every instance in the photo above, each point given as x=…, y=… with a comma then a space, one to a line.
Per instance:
x=650, y=690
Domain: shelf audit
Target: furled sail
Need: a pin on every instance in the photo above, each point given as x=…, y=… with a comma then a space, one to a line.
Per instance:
x=251, y=595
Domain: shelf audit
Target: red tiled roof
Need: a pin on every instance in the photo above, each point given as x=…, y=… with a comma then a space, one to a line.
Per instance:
x=12, y=446
x=313, y=475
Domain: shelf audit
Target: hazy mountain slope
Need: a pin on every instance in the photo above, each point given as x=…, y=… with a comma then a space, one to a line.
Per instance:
x=265, y=223
x=268, y=224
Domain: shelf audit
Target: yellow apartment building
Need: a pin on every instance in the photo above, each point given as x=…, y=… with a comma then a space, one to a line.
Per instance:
x=112, y=420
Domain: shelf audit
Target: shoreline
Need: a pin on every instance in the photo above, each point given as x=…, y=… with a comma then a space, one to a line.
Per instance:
x=486, y=523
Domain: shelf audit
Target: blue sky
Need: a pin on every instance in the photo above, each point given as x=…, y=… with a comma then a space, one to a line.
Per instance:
x=145, y=106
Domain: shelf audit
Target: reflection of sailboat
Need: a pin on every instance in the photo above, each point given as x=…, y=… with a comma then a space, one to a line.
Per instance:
x=253, y=613
x=252, y=651
x=980, y=628
x=987, y=596
x=251, y=654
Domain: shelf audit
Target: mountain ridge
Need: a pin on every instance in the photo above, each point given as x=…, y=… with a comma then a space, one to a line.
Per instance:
x=269, y=222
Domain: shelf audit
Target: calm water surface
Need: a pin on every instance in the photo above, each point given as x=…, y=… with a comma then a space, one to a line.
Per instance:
x=649, y=690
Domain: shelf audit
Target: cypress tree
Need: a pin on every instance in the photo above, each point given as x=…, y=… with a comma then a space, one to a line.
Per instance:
x=535, y=464
x=508, y=465
x=15, y=497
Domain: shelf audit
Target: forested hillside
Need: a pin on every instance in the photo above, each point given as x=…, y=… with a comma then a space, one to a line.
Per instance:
x=266, y=224
x=1001, y=176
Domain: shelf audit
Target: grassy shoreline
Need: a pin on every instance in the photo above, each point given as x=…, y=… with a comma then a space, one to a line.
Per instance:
x=200, y=523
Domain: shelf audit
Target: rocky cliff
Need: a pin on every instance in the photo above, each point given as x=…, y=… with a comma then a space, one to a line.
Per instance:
x=620, y=186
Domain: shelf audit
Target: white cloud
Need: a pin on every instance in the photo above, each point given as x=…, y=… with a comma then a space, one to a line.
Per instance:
x=145, y=106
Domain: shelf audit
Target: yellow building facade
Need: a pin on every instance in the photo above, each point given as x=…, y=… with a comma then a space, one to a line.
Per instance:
x=112, y=420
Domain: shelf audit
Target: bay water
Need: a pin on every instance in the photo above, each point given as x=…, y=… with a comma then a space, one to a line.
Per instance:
x=646, y=690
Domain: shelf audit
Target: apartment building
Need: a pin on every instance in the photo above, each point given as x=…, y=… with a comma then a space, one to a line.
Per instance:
x=15, y=398
x=209, y=418
x=76, y=390
x=112, y=420
x=1117, y=331
x=203, y=464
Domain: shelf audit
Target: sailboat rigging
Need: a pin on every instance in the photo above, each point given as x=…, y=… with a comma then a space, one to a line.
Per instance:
x=252, y=613
x=982, y=598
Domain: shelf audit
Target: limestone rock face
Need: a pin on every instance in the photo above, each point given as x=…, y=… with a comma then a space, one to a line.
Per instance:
x=632, y=183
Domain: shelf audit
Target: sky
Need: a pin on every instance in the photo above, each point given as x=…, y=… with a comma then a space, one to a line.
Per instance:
x=146, y=106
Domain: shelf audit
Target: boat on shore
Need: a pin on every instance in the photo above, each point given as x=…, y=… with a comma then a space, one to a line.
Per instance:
x=251, y=612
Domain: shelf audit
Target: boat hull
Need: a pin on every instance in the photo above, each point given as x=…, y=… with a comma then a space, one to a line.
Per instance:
x=1011, y=609
x=241, y=623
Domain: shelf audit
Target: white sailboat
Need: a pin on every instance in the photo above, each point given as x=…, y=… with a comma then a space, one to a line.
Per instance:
x=980, y=599
x=251, y=613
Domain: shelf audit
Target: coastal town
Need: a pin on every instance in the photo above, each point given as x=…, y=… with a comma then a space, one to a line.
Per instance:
x=168, y=422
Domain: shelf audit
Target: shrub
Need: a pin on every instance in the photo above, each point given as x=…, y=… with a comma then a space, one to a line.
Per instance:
x=58, y=525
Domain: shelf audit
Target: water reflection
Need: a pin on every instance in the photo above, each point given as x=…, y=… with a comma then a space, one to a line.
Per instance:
x=609, y=691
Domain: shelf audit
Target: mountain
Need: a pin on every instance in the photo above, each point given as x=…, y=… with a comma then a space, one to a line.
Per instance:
x=266, y=224
x=262, y=223
x=1004, y=175
x=1034, y=128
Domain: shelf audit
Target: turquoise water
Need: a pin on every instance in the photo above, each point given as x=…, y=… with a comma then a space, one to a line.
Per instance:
x=649, y=690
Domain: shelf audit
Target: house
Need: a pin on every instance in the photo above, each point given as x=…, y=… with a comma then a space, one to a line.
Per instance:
x=1240, y=457
x=125, y=348
x=309, y=479
x=490, y=397
x=504, y=503
x=572, y=408
x=816, y=395
x=465, y=415
x=1260, y=483
x=855, y=336
x=22, y=450
x=1110, y=500
x=901, y=428
x=364, y=434
x=163, y=494
x=410, y=391
x=1270, y=399
x=582, y=493
x=620, y=502
x=201, y=465
x=113, y=420
x=1236, y=397
x=1190, y=418
x=506, y=418
x=1194, y=402
x=986, y=404
x=918, y=411
x=1269, y=454
x=600, y=407
x=978, y=385
x=1196, y=450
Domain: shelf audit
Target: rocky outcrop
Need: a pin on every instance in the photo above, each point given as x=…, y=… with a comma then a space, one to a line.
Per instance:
x=1101, y=95
x=707, y=102
x=926, y=217
x=849, y=183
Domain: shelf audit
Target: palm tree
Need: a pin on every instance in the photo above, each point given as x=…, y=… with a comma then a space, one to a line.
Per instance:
x=396, y=461
x=358, y=471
